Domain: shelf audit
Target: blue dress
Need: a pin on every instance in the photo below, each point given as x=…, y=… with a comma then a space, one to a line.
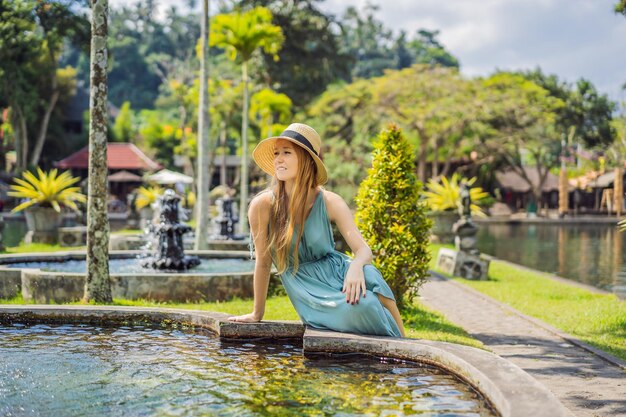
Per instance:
x=315, y=289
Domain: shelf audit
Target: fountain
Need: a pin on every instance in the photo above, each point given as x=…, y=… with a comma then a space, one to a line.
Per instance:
x=170, y=254
x=167, y=275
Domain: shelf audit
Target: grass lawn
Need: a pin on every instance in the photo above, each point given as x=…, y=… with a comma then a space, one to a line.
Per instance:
x=41, y=247
x=597, y=319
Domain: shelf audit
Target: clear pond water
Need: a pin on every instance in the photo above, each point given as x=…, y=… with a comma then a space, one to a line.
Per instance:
x=137, y=371
x=133, y=266
x=593, y=254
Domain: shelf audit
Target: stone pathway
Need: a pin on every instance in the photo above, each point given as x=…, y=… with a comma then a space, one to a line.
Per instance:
x=586, y=384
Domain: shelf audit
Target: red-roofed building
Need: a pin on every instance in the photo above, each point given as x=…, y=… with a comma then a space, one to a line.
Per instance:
x=122, y=159
x=120, y=156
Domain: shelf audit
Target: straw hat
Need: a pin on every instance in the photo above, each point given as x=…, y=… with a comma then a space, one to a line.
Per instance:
x=299, y=134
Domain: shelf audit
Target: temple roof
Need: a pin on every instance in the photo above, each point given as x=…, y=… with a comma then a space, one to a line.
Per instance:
x=119, y=156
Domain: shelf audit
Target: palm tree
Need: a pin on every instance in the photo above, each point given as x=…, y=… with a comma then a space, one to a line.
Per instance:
x=240, y=34
x=98, y=284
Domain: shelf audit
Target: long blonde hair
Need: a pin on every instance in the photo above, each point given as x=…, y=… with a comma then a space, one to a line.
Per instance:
x=288, y=212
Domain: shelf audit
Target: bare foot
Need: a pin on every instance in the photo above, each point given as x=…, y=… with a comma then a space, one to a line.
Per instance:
x=246, y=318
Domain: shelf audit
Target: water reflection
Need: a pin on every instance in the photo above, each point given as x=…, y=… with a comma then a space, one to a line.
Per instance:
x=593, y=254
x=85, y=370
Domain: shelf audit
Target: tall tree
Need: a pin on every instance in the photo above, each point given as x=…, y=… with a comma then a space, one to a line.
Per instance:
x=311, y=57
x=432, y=102
x=19, y=48
x=586, y=115
x=368, y=41
x=98, y=284
x=374, y=48
x=241, y=34
x=59, y=21
x=585, y=118
x=521, y=129
x=347, y=118
x=32, y=37
x=145, y=50
x=203, y=176
x=426, y=49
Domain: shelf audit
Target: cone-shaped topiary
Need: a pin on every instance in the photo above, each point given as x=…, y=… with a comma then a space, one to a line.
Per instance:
x=391, y=217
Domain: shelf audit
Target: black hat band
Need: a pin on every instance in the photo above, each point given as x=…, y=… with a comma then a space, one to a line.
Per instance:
x=292, y=134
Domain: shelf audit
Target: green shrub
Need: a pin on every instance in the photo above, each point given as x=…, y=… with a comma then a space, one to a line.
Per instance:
x=391, y=217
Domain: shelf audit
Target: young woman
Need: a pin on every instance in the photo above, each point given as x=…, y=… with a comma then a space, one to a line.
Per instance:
x=290, y=225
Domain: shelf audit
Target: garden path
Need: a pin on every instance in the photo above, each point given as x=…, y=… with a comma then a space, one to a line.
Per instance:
x=587, y=384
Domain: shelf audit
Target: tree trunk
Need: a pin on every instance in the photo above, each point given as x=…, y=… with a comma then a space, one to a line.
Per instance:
x=563, y=192
x=447, y=164
x=421, y=161
x=435, y=164
x=223, y=145
x=618, y=193
x=21, y=137
x=202, y=171
x=43, y=129
x=243, y=192
x=98, y=284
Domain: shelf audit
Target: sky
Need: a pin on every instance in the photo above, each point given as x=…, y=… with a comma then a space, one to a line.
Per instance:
x=570, y=38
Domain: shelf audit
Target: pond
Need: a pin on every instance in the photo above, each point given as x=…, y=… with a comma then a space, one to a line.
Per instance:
x=593, y=254
x=89, y=370
x=134, y=265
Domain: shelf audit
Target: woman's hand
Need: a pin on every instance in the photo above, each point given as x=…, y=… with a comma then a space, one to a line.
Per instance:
x=354, y=284
x=247, y=318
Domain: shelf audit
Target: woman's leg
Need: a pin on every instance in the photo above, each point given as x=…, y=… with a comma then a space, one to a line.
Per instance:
x=390, y=305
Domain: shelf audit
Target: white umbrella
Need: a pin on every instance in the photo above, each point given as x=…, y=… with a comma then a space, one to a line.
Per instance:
x=165, y=176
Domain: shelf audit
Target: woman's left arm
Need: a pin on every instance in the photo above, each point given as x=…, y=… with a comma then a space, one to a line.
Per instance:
x=340, y=214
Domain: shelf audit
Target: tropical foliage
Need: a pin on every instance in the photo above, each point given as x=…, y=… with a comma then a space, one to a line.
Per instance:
x=33, y=36
x=147, y=195
x=391, y=217
x=47, y=189
x=446, y=195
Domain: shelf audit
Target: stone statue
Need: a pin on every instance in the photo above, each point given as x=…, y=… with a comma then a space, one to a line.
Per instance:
x=466, y=260
x=465, y=200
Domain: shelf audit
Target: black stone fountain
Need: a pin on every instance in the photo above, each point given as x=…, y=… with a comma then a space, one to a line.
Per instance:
x=170, y=254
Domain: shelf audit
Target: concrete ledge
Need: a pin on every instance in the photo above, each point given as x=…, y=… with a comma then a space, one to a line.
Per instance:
x=510, y=390
x=10, y=282
x=216, y=323
x=138, y=241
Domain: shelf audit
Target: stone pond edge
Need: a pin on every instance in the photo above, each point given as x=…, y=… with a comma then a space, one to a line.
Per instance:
x=511, y=391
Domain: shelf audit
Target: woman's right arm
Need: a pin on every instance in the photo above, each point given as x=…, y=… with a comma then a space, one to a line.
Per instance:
x=259, y=215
